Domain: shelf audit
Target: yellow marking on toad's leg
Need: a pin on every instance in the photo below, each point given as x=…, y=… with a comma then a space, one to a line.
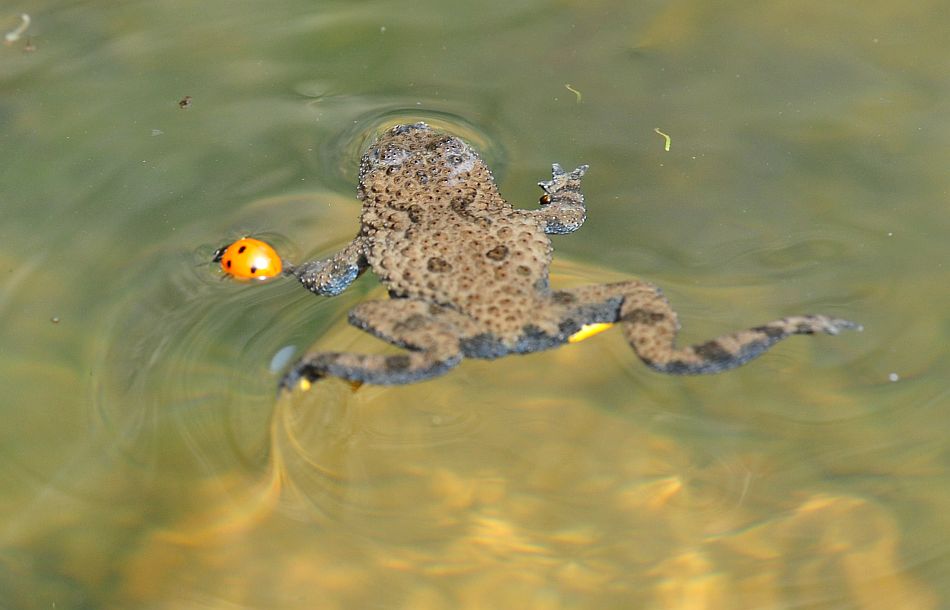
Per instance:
x=306, y=384
x=587, y=331
x=668, y=140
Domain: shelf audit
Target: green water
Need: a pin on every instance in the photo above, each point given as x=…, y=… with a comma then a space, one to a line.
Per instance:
x=144, y=459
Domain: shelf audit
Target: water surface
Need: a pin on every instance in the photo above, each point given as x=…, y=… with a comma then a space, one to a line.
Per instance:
x=146, y=462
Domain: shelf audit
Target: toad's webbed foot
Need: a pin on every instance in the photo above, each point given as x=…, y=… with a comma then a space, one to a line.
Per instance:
x=650, y=326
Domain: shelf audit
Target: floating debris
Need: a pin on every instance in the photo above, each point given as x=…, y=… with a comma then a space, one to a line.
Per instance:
x=894, y=377
x=14, y=35
x=185, y=102
x=666, y=145
x=281, y=358
x=574, y=91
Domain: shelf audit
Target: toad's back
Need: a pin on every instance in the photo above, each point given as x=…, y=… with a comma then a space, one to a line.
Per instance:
x=437, y=230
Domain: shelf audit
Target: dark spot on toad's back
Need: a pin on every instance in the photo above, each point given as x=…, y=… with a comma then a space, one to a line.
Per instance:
x=438, y=265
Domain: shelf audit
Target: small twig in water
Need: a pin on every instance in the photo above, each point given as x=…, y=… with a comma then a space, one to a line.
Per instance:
x=14, y=35
x=666, y=146
x=574, y=91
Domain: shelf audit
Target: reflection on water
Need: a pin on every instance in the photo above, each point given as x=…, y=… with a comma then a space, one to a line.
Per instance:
x=146, y=462
x=352, y=493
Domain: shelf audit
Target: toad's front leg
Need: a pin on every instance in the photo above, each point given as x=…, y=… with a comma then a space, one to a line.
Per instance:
x=331, y=276
x=562, y=205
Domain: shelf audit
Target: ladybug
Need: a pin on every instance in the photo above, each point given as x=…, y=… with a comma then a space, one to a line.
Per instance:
x=249, y=259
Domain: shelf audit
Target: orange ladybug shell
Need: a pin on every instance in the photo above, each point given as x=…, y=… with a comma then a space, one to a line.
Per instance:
x=249, y=259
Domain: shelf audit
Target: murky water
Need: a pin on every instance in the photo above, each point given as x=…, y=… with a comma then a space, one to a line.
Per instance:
x=146, y=463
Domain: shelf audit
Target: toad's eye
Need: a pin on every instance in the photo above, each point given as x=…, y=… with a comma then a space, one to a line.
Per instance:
x=545, y=199
x=249, y=259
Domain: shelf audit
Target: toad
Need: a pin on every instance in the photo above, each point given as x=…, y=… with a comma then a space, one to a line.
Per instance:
x=467, y=275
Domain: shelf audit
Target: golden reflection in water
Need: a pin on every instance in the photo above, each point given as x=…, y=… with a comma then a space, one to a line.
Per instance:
x=232, y=507
x=845, y=541
x=673, y=539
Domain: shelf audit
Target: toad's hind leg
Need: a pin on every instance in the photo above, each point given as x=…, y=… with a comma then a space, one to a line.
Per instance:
x=650, y=326
x=430, y=332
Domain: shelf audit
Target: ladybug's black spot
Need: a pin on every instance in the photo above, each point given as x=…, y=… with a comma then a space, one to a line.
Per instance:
x=253, y=270
x=242, y=249
x=227, y=263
